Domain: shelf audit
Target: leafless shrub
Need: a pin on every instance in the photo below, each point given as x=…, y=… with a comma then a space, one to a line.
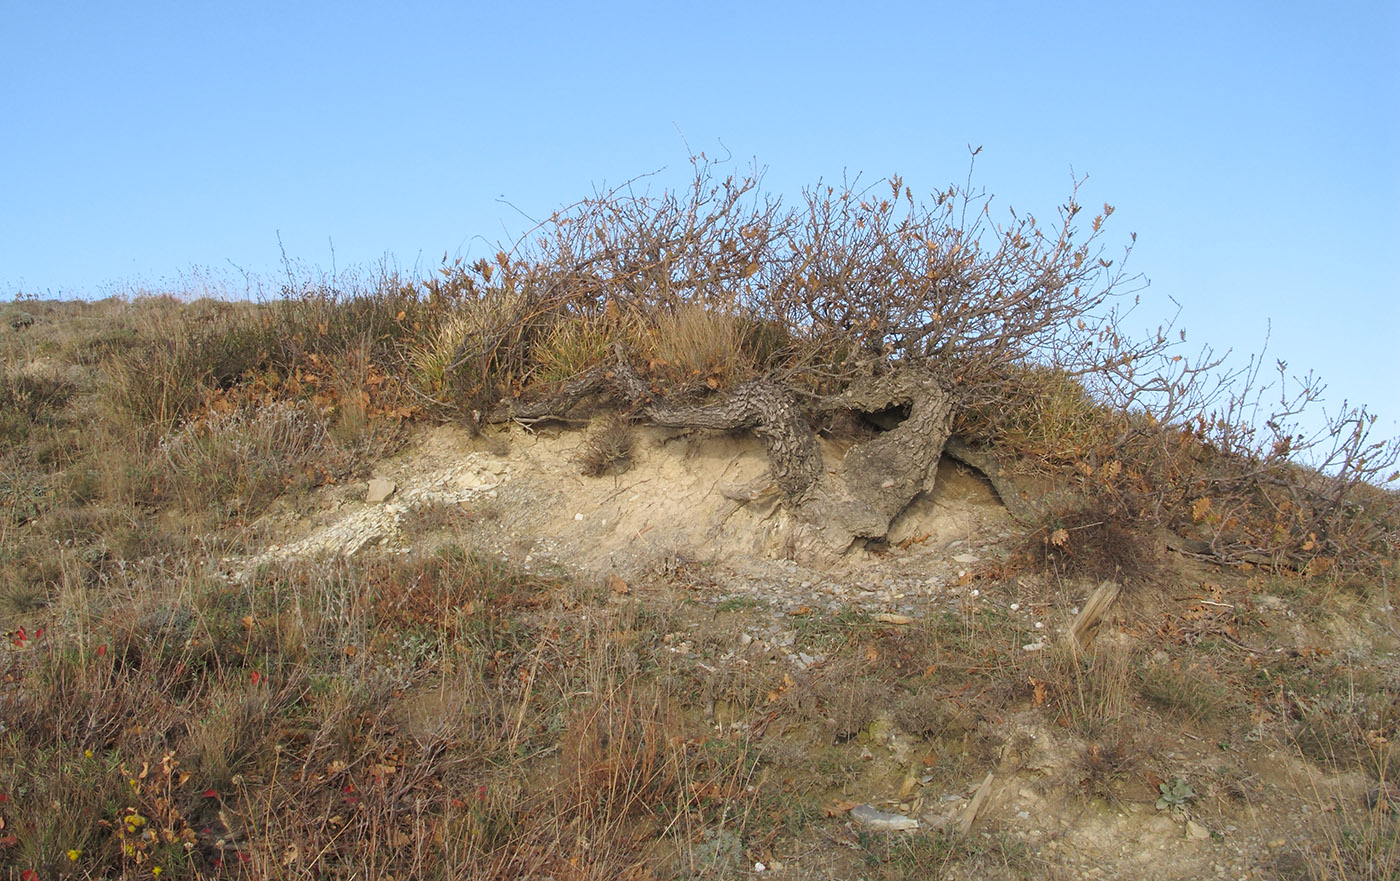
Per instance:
x=1098, y=543
x=1023, y=323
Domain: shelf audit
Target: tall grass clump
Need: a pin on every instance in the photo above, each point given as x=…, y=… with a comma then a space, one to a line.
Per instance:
x=237, y=461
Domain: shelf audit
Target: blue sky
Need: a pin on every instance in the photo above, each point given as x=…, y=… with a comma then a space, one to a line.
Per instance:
x=1252, y=146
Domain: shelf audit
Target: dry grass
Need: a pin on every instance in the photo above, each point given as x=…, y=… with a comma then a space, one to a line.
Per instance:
x=1088, y=692
x=697, y=341
x=238, y=461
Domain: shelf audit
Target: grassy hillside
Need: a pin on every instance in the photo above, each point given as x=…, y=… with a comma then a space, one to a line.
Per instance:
x=443, y=713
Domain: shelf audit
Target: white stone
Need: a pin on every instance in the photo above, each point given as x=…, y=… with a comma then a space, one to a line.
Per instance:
x=379, y=490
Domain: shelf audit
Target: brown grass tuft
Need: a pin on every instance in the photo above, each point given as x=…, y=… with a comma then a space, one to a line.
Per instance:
x=608, y=447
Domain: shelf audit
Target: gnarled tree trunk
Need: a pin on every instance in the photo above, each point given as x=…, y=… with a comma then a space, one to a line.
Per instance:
x=856, y=499
x=875, y=481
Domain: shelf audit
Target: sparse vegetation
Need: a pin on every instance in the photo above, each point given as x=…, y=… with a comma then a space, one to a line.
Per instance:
x=446, y=713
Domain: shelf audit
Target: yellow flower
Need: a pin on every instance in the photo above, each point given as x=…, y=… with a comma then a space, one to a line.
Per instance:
x=74, y=854
x=87, y=753
x=155, y=870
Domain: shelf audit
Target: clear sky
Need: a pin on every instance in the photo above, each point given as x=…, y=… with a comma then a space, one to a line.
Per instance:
x=1254, y=147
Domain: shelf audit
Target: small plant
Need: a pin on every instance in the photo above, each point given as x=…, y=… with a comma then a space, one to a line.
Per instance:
x=1104, y=765
x=739, y=604
x=572, y=348
x=1175, y=795
x=1097, y=542
x=608, y=447
x=1192, y=692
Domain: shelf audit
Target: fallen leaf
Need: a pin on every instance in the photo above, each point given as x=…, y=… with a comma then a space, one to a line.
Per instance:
x=837, y=808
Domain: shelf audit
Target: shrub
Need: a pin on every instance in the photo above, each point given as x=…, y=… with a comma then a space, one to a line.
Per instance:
x=1099, y=543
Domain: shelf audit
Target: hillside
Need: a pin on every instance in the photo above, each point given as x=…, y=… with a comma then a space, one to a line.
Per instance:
x=698, y=540
x=508, y=667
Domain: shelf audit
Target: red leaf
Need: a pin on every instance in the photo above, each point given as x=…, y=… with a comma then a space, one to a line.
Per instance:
x=211, y=793
x=256, y=677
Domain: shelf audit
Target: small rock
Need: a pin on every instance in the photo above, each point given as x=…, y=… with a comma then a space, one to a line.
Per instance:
x=966, y=558
x=379, y=490
x=578, y=516
x=881, y=821
x=891, y=618
x=1196, y=830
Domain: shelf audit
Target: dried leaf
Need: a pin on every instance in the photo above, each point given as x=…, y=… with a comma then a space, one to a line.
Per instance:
x=1037, y=692
x=839, y=808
